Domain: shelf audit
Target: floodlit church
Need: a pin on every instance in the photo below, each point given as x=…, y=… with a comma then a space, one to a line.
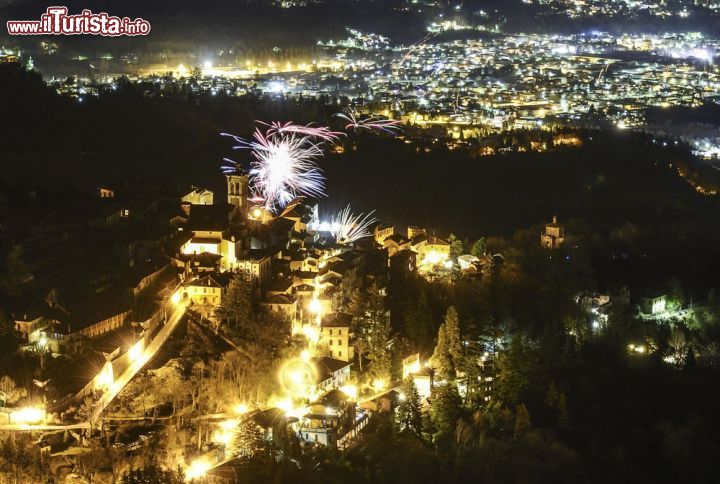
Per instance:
x=554, y=235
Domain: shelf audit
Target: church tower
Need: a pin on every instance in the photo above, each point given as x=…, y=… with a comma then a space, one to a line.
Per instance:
x=554, y=235
x=237, y=189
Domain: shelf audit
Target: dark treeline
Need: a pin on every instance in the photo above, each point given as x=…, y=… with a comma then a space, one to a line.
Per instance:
x=614, y=178
x=50, y=138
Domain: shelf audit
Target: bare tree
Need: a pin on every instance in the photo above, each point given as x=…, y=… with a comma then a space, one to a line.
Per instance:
x=9, y=392
x=91, y=462
x=361, y=347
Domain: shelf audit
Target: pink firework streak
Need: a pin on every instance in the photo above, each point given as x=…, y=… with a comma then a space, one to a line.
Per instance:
x=373, y=123
x=318, y=132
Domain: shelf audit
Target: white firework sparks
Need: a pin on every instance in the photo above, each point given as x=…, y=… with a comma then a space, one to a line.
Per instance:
x=412, y=48
x=319, y=132
x=373, y=123
x=347, y=227
x=283, y=167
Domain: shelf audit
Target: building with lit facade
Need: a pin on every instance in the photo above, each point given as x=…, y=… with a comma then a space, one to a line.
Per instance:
x=554, y=235
x=327, y=419
x=205, y=292
x=335, y=336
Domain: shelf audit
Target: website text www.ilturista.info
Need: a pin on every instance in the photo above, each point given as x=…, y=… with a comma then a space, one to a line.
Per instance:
x=56, y=21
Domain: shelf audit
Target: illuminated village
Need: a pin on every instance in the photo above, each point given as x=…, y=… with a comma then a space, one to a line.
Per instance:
x=321, y=241
x=218, y=253
x=223, y=257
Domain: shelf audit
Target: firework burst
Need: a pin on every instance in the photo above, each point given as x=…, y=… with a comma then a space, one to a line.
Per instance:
x=373, y=123
x=282, y=168
x=348, y=227
x=322, y=133
x=231, y=166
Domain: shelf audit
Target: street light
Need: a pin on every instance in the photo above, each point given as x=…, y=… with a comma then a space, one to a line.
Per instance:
x=197, y=469
x=296, y=377
x=350, y=391
x=27, y=415
x=315, y=306
x=290, y=409
x=311, y=333
x=135, y=351
x=378, y=384
x=223, y=437
x=106, y=376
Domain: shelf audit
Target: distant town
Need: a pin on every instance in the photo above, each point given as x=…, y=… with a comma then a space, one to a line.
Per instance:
x=464, y=87
x=441, y=241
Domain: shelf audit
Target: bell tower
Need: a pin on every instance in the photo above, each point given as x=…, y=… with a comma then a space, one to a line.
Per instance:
x=237, y=189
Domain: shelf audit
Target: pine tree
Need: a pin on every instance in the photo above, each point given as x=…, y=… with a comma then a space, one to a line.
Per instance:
x=409, y=414
x=375, y=311
x=352, y=292
x=452, y=335
x=376, y=332
x=8, y=339
x=237, y=303
x=379, y=353
x=713, y=301
x=456, y=247
x=357, y=304
x=441, y=360
x=474, y=388
x=444, y=412
x=249, y=438
x=517, y=366
x=522, y=421
x=448, y=353
x=152, y=472
x=478, y=248
x=563, y=414
x=418, y=321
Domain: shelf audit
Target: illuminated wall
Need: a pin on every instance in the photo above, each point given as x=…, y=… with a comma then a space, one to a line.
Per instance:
x=337, y=341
